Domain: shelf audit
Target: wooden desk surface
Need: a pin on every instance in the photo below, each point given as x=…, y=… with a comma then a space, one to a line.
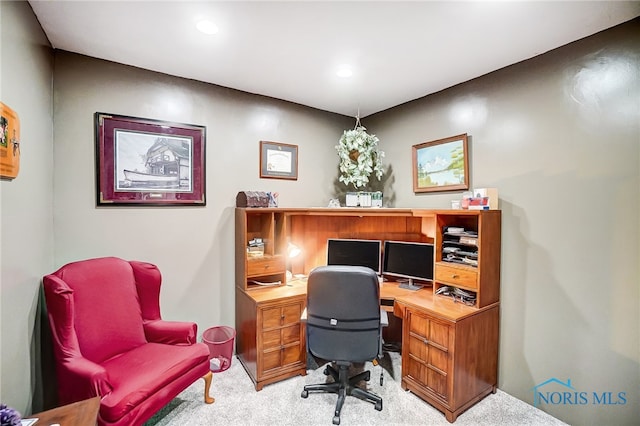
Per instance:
x=295, y=287
x=424, y=299
x=392, y=297
x=82, y=413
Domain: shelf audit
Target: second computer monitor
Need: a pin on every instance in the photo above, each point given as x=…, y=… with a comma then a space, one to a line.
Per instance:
x=412, y=260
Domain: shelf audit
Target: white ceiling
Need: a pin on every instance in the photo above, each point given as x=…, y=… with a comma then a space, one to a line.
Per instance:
x=399, y=51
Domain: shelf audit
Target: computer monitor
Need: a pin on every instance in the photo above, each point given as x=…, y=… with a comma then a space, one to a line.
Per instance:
x=341, y=251
x=411, y=260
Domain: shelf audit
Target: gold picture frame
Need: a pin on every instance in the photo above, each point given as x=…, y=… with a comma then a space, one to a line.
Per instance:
x=441, y=165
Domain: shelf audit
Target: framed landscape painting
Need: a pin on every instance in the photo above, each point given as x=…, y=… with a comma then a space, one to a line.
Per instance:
x=149, y=162
x=441, y=165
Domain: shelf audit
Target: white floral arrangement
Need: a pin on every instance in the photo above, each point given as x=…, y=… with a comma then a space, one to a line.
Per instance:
x=359, y=157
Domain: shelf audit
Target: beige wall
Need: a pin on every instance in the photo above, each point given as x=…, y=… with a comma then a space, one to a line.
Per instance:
x=559, y=136
x=26, y=203
x=193, y=246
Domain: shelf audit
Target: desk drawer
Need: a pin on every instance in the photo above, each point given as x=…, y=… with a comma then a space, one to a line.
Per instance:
x=281, y=315
x=281, y=336
x=457, y=276
x=265, y=266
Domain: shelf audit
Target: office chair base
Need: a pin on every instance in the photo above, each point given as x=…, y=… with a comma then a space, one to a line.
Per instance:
x=344, y=385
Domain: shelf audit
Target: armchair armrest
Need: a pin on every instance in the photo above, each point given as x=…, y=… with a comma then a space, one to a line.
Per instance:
x=170, y=332
x=84, y=379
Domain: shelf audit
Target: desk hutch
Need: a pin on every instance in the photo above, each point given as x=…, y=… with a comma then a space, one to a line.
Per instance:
x=449, y=348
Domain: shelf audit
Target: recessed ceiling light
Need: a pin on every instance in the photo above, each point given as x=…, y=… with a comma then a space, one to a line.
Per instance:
x=207, y=27
x=344, y=71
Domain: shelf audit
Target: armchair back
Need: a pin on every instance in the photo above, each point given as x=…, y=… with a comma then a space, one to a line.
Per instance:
x=94, y=308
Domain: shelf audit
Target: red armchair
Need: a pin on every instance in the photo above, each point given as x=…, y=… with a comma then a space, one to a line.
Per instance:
x=110, y=341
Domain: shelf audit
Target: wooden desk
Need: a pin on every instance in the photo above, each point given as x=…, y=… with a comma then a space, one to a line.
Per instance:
x=82, y=413
x=449, y=349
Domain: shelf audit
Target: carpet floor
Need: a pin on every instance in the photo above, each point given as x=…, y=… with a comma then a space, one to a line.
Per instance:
x=238, y=403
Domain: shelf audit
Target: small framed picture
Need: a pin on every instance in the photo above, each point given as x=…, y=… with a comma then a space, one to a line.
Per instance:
x=441, y=165
x=142, y=161
x=278, y=160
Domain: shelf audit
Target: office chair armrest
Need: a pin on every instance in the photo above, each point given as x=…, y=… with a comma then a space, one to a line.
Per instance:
x=384, y=318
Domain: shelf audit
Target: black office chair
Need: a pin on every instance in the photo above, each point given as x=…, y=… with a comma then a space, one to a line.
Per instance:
x=343, y=318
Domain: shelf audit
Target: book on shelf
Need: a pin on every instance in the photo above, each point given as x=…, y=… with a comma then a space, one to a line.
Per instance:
x=469, y=241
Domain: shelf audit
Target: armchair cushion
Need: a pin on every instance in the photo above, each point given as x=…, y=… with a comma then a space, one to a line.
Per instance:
x=156, y=366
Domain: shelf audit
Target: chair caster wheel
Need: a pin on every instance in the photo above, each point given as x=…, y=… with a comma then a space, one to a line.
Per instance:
x=378, y=406
x=336, y=420
x=304, y=394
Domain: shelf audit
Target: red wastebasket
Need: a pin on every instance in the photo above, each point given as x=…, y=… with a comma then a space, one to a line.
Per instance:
x=220, y=341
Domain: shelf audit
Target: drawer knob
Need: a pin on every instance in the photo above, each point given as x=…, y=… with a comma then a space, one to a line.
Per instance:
x=455, y=276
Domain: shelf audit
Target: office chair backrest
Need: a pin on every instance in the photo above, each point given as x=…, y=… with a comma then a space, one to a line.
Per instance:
x=343, y=313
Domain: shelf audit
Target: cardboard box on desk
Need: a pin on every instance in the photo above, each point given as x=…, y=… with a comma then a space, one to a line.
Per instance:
x=492, y=193
x=476, y=203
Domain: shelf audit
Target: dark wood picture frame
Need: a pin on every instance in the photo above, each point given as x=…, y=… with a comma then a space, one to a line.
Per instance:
x=278, y=160
x=146, y=162
x=441, y=165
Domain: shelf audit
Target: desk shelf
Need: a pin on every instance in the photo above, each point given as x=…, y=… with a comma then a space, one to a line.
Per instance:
x=269, y=267
x=481, y=237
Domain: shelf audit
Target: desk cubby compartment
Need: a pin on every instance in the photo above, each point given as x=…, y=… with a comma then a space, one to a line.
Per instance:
x=460, y=246
x=265, y=281
x=457, y=294
x=266, y=266
x=468, y=253
x=267, y=226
